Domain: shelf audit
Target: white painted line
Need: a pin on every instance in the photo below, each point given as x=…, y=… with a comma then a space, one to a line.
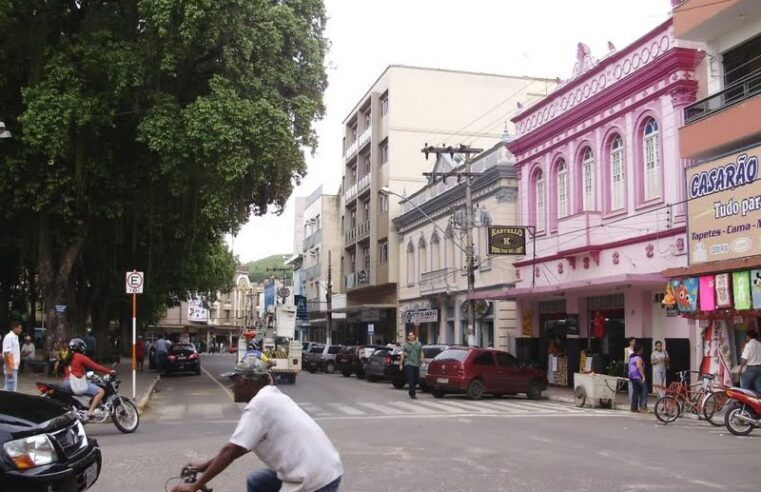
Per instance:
x=467, y=407
x=382, y=408
x=224, y=388
x=441, y=407
x=348, y=410
x=413, y=407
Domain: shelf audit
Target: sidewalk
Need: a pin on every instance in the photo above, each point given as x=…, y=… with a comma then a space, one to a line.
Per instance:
x=565, y=395
x=145, y=382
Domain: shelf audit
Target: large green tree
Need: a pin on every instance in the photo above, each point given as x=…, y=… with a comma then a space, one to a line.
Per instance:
x=143, y=132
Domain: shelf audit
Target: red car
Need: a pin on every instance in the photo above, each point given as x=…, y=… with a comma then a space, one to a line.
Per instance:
x=476, y=371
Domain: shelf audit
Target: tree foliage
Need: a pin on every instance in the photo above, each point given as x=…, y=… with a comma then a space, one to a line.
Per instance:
x=143, y=132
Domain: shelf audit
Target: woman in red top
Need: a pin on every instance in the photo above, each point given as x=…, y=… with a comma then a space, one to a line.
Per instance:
x=78, y=365
x=140, y=352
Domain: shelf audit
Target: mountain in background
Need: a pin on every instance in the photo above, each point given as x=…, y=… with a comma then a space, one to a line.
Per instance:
x=257, y=270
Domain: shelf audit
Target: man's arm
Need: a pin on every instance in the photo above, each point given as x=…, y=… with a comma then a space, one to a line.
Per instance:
x=401, y=359
x=213, y=467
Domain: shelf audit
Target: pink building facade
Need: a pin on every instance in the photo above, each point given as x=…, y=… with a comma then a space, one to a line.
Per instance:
x=601, y=183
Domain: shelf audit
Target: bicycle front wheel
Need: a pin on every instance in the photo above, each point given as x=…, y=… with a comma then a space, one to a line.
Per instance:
x=714, y=407
x=667, y=409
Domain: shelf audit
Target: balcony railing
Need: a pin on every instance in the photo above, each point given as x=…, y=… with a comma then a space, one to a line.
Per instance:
x=435, y=281
x=358, y=143
x=359, y=187
x=358, y=233
x=312, y=272
x=313, y=239
x=733, y=94
x=350, y=280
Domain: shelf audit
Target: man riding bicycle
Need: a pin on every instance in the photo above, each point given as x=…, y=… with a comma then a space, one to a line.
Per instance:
x=299, y=455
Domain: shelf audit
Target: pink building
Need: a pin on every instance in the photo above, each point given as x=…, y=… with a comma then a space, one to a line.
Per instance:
x=601, y=181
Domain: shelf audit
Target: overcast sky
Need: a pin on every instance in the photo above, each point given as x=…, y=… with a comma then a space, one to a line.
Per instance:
x=515, y=37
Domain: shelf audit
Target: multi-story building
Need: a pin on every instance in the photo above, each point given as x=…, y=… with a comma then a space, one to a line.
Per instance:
x=321, y=255
x=601, y=186
x=720, y=135
x=405, y=108
x=432, y=267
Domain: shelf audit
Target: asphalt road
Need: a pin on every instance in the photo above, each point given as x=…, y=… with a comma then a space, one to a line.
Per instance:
x=389, y=442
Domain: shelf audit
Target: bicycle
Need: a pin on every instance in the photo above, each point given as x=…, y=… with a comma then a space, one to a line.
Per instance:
x=681, y=395
x=188, y=474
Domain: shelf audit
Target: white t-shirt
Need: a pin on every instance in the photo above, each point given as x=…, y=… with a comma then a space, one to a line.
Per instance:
x=752, y=352
x=10, y=344
x=288, y=441
x=29, y=348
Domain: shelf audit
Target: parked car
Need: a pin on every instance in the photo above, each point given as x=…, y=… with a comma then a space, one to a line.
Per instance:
x=476, y=371
x=44, y=446
x=183, y=357
x=305, y=348
x=322, y=358
x=354, y=359
x=384, y=364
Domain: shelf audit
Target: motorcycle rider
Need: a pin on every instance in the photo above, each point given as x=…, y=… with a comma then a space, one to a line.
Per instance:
x=77, y=366
x=299, y=455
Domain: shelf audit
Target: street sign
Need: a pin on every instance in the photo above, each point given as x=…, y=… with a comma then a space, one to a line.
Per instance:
x=134, y=282
x=60, y=308
x=370, y=329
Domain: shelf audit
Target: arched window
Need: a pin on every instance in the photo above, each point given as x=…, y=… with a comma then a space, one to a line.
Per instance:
x=435, y=252
x=562, y=170
x=588, y=179
x=410, y=264
x=651, y=151
x=540, y=216
x=617, y=178
x=450, y=250
x=422, y=260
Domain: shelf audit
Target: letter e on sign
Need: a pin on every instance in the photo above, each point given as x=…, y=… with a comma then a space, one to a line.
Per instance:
x=134, y=282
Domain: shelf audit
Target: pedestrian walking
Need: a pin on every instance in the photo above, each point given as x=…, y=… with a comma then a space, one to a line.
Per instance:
x=636, y=373
x=27, y=353
x=750, y=361
x=659, y=359
x=140, y=352
x=409, y=362
x=91, y=344
x=12, y=356
x=298, y=454
x=162, y=347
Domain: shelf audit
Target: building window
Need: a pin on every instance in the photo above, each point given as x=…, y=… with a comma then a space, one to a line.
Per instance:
x=617, y=178
x=384, y=104
x=384, y=152
x=652, y=154
x=365, y=165
x=366, y=258
x=540, y=220
x=353, y=133
x=353, y=175
x=353, y=219
x=316, y=256
x=562, y=170
x=450, y=250
x=367, y=120
x=422, y=253
x=383, y=252
x=588, y=174
x=410, y=264
x=435, y=252
x=366, y=209
x=352, y=262
x=383, y=200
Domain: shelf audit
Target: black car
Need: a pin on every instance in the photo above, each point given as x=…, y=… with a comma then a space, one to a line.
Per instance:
x=183, y=357
x=44, y=446
x=384, y=364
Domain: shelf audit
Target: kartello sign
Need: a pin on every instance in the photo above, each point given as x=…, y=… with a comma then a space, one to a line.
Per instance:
x=507, y=240
x=724, y=208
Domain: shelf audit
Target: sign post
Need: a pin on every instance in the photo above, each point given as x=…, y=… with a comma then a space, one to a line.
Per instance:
x=134, y=286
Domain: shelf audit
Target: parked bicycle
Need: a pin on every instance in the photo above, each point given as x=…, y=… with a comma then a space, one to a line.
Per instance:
x=699, y=398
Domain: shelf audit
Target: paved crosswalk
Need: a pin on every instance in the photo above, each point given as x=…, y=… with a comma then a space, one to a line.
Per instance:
x=396, y=408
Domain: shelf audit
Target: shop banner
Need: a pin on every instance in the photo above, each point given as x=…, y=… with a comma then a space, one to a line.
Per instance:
x=707, y=293
x=723, y=298
x=755, y=288
x=724, y=207
x=507, y=240
x=686, y=293
x=741, y=289
x=421, y=316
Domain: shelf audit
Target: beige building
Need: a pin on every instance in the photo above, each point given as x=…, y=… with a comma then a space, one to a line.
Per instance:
x=404, y=109
x=432, y=267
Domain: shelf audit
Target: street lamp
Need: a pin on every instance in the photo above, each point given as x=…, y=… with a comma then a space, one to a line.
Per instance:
x=470, y=263
x=4, y=132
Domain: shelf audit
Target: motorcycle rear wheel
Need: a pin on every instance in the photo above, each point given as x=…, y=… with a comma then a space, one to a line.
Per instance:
x=125, y=415
x=738, y=427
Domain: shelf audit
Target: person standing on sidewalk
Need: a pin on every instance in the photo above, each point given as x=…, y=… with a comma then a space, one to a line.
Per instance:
x=409, y=362
x=750, y=360
x=27, y=353
x=660, y=362
x=12, y=356
x=636, y=373
x=162, y=347
x=140, y=352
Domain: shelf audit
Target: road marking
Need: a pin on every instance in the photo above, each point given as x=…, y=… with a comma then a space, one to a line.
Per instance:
x=382, y=408
x=224, y=388
x=348, y=410
x=413, y=407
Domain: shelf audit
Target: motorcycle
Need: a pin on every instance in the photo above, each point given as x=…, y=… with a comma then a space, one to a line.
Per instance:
x=743, y=411
x=122, y=411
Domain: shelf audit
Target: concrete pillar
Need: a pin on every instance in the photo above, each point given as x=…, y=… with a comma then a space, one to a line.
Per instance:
x=457, y=323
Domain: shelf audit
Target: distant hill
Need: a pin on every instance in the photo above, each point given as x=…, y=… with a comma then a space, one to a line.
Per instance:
x=257, y=270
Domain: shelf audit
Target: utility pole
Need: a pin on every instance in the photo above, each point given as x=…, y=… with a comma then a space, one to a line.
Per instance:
x=470, y=257
x=329, y=301
x=283, y=278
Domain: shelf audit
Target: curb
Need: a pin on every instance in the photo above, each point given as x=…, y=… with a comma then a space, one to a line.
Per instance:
x=147, y=395
x=570, y=400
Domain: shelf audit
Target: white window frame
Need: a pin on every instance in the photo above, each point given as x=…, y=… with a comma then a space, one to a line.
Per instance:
x=540, y=202
x=617, y=173
x=410, y=264
x=383, y=252
x=651, y=154
x=562, y=181
x=384, y=104
x=435, y=253
x=384, y=152
x=588, y=183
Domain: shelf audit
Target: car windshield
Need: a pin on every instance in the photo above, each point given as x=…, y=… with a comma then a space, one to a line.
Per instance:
x=316, y=350
x=431, y=352
x=334, y=349
x=453, y=354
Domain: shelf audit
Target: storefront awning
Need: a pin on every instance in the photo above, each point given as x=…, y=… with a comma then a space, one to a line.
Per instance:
x=612, y=281
x=746, y=263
